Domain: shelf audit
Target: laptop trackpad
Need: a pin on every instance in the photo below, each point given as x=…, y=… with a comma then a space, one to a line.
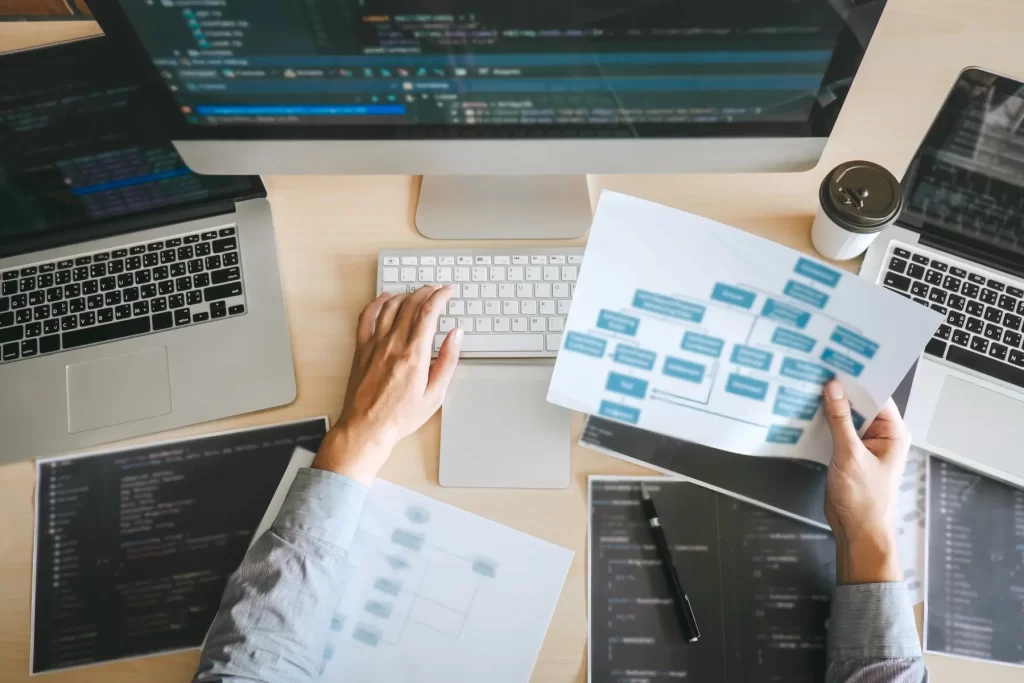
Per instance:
x=113, y=391
x=498, y=429
x=980, y=424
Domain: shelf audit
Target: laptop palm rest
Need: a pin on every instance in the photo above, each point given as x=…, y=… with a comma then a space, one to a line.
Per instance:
x=498, y=430
x=980, y=424
x=113, y=391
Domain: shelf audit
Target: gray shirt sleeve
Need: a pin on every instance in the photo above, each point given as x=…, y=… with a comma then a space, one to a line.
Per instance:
x=277, y=608
x=873, y=636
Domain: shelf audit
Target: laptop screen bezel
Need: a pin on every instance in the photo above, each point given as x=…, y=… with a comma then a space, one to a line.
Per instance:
x=93, y=49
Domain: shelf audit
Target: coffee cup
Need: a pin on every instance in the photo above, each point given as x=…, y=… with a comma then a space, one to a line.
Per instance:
x=857, y=200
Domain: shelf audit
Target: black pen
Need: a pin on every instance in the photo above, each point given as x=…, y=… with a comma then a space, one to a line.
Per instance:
x=682, y=603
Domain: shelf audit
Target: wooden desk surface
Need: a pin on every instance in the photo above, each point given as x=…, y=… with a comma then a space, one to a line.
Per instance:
x=331, y=228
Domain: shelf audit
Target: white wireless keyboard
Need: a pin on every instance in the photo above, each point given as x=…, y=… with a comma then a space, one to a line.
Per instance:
x=510, y=303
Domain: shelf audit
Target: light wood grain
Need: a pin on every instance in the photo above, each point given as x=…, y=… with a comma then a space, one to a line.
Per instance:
x=331, y=228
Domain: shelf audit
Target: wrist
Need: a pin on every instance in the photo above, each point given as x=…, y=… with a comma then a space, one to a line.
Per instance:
x=355, y=452
x=867, y=558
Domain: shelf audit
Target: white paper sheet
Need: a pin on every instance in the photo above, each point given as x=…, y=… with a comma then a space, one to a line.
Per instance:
x=910, y=532
x=435, y=594
x=693, y=329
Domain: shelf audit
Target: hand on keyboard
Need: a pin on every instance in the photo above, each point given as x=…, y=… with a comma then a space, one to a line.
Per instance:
x=393, y=387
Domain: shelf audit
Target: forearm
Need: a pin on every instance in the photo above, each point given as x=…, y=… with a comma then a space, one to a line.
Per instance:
x=873, y=636
x=277, y=608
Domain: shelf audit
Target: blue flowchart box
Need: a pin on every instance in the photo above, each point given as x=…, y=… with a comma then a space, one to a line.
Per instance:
x=784, y=434
x=617, y=322
x=617, y=411
x=808, y=295
x=785, y=314
x=793, y=340
x=818, y=272
x=793, y=403
x=684, y=369
x=733, y=295
x=794, y=368
x=585, y=344
x=624, y=384
x=855, y=342
x=666, y=305
x=842, y=362
x=702, y=344
x=635, y=357
x=747, y=387
x=751, y=357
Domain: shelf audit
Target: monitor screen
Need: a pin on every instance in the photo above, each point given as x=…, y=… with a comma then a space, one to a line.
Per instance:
x=78, y=146
x=394, y=68
x=966, y=182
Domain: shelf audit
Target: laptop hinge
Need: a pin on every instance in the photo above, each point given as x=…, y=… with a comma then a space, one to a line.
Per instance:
x=985, y=258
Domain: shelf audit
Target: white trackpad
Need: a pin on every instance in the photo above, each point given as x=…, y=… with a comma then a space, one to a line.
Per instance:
x=498, y=430
x=980, y=424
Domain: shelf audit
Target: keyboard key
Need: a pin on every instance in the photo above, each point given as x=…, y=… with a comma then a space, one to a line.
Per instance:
x=33, y=330
x=45, y=281
x=112, y=298
x=218, y=309
x=9, y=275
x=898, y=282
x=988, y=366
x=163, y=321
x=951, y=283
x=237, y=309
x=1011, y=339
x=979, y=344
x=1011, y=321
x=131, y=294
x=222, y=291
x=11, y=352
x=140, y=308
x=155, y=246
x=105, y=315
x=151, y=260
x=183, y=284
x=961, y=338
x=166, y=287
x=98, y=270
x=232, y=274
x=1013, y=291
x=69, y=322
x=220, y=246
x=958, y=272
x=104, y=333
x=937, y=295
x=51, y=326
x=988, y=296
x=158, y=304
x=993, y=332
x=993, y=315
x=940, y=266
x=493, y=343
x=201, y=280
x=178, y=270
x=194, y=298
x=209, y=235
x=975, y=308
x=168, y=256
x=41, y=312
x=182, y=316
x=935, y=347
x=36, y=298
x=119, y=253
x=550, y=273
x=122, y=312
x=19, y=301
x=49, y=344
x=919, y=289
x=996, y=285
x=9, y=334
x=918, y=258
x=226, y=232
x=200, y=317
x=933, y=277
x=9, y=287
x=978, y=279
x=172, y=242
x=86, y=319
x=528, y=307
x=1007, y=303
x=203, y=249
x=90, y=286
x=975, y=325
x=23, y=316
x=94, y=302
x=943, y=332
x=997, y=351
x=569, y=273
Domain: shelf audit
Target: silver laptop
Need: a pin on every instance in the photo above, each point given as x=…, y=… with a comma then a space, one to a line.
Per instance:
x=958, y=247
x=135, y=295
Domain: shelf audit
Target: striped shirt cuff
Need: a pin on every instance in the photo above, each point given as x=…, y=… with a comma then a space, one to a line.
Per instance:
x=872, y=621
x=324, y=505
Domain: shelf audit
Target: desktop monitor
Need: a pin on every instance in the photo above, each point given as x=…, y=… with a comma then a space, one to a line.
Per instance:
x=464, y=91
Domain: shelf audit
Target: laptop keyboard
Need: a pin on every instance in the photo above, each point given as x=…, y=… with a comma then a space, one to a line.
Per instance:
x=108, y=295
x=982, y=330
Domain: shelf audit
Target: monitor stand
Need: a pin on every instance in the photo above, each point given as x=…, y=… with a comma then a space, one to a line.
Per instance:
x=511, y=207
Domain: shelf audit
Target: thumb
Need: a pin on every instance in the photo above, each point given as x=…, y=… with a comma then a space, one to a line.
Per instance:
x=837, y=412
x=444, y=367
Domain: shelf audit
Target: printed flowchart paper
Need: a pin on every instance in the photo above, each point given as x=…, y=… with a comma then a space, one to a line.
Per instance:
x=435, y=594
x=691, y=328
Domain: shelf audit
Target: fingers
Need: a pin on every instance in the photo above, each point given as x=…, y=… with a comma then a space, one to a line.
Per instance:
x=425, y=322
x=409, y=310
x=837, y=412
x=443, y=369
x=368, y=318
x=889, y=426
x=386, y=317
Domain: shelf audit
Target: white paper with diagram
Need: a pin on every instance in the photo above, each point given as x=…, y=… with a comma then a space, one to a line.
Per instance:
x=691, y=328
x=435, y=594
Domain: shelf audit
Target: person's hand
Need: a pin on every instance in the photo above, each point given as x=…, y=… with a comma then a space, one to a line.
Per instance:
x=860, y=495
x=393, y=388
